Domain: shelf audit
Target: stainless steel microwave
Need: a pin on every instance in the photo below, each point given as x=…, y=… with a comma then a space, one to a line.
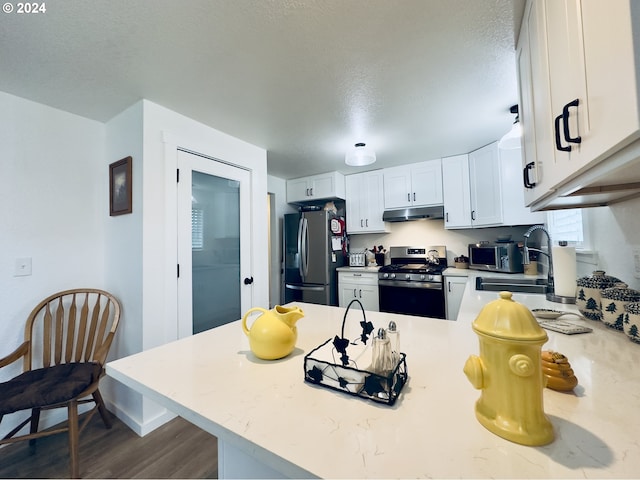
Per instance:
x=496, y=257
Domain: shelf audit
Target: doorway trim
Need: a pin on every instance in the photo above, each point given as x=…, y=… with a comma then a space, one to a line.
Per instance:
x=232, y=155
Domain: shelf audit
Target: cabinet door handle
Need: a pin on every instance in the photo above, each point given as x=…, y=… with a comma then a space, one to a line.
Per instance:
x=446, y=217
x=354, y=293
x=366, y=223
x=361, y=223
x=473, y=214
x=565, y=117
x=525, y=174
x=360, y=293
x=557, y=135
x=449, y=287
x=311, y=192
x=408, y=197
x=414, y=196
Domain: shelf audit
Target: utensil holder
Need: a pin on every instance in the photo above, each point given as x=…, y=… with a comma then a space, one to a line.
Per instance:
x=321, y=367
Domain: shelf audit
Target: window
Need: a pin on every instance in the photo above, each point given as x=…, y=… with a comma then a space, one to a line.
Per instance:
x=567, y=225
x=197, y=229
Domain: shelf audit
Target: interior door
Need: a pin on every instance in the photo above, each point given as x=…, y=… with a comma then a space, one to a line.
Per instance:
x=214, y=264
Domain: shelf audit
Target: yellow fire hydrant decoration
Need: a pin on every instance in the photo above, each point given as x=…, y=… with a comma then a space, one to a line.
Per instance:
x=509, y=372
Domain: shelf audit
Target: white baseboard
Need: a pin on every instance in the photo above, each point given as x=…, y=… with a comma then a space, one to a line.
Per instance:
x=141, y=429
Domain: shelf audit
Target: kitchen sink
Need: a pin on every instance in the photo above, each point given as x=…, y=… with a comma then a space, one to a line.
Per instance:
x=516, y=285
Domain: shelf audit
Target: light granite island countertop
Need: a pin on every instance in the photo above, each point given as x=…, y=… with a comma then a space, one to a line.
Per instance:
x=270, y=423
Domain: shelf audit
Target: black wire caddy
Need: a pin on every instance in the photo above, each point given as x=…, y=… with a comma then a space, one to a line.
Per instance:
x=321, y=367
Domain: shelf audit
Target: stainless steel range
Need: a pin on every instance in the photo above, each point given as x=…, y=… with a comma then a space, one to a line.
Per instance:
x=412, y=283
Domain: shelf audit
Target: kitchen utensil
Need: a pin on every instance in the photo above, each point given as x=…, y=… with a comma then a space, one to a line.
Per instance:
x=338, y=364
x=550, y=314
x=631, y=323
x=273, y=334
x=589, y=288
x=614, y=300
x=356, y=259
x=558, y=372
x=509, y=372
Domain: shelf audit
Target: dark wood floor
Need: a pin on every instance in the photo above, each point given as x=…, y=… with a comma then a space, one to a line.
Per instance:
x=178, y=449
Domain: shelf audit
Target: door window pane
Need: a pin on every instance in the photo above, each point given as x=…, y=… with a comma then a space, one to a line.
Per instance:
x=215, y=251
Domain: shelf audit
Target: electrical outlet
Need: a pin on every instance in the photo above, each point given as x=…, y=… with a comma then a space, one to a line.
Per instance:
x=636, y=261
x=23, y=267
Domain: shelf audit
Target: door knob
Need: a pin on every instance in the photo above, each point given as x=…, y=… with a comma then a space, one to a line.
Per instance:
x=248, y=280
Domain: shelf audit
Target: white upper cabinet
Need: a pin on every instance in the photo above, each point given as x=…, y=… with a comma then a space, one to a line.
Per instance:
x=316, y=187
x=535, y=105
x=486, y=190
x=483, y=189
x=514, y=210
x=414, y=185
x=579, y=101
x=364, y=202
x=472, y=191
x=456, y=192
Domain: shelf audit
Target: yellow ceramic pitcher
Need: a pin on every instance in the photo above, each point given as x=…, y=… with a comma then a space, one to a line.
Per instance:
x=273, y=334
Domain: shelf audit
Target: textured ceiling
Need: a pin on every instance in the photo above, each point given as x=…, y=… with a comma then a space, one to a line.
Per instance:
x=305, y=79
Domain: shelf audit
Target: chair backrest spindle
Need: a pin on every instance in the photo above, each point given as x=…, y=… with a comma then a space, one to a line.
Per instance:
x=93, y=326
x=71, y=331
x=68, y=328
x=59, y=332
x=82, y=329
x=46, y=337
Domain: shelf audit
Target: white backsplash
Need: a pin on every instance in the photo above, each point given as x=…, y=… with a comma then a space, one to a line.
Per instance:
x=432, y=232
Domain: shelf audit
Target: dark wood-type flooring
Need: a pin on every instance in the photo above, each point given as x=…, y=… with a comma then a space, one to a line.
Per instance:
x=178, y=449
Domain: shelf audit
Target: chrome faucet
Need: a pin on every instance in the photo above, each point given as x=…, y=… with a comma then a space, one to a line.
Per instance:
x=526, y=260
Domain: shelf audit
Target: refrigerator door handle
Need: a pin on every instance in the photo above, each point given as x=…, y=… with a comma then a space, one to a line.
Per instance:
x=305, y=247
x=305, y=287
x=300, y=257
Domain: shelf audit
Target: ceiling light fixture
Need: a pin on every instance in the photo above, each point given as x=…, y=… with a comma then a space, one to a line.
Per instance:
x=360, y=155
x=512, y=139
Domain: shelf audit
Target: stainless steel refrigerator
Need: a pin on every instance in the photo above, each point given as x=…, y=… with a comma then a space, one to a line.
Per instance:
x=310, y=260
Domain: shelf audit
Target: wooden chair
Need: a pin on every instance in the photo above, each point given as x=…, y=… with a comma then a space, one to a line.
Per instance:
x=66, y=341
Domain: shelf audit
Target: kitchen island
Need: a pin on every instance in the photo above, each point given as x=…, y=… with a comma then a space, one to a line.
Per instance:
x=270, y=423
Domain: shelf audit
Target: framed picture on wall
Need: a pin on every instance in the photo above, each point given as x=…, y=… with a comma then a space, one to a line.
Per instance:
x=120, y=187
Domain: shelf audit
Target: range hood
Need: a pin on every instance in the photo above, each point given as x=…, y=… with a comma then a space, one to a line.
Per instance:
x=413, y=213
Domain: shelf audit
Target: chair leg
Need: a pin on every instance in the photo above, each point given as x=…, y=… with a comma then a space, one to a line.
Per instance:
x=35, y=421
x=104, y=413
x=73, y=438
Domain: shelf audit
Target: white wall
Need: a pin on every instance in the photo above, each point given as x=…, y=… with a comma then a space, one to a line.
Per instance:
x=123, y=260
x=614, y=231
x=54, y=189
x=277, y=187
x=54, y=197
x=149, y=236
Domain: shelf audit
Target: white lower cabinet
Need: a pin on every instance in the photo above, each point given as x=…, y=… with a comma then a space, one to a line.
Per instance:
x=454, y=290
x=362, y=286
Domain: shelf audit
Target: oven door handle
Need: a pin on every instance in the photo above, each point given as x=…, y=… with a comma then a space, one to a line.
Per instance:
x=405, y=284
